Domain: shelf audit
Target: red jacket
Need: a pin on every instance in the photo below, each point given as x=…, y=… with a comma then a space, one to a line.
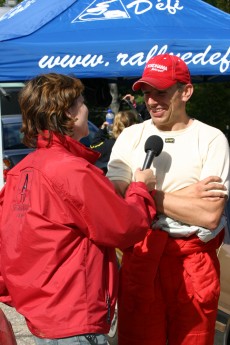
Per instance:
x=61, y=220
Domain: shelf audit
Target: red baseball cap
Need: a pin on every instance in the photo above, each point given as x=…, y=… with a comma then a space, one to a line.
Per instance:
x=163, y=71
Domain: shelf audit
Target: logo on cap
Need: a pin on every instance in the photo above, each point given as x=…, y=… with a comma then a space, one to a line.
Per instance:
x=157, y=67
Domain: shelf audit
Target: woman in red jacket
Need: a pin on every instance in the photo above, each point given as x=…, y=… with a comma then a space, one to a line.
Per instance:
x=61, y=220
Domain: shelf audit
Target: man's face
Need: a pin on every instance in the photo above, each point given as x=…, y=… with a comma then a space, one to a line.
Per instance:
x=165, y=106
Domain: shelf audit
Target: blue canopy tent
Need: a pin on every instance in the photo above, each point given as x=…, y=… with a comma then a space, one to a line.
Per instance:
x=113, y=38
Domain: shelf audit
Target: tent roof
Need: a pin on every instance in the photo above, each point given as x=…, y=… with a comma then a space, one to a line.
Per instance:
x=112, y=38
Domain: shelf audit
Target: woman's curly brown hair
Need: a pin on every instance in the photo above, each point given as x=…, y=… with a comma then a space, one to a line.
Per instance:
x=44, y=102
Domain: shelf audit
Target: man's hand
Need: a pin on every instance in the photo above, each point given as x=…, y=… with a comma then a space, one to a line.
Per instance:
x=210, y=188
x=200, y=204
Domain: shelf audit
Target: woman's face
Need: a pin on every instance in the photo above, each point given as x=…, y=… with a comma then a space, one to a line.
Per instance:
x=79, y=112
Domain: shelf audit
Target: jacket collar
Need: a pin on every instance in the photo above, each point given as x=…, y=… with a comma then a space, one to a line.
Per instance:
x=75, y=147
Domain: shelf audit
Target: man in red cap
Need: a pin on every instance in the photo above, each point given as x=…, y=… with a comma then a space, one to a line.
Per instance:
x=169, y=283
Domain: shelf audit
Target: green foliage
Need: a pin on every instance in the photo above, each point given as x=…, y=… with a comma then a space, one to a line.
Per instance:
x=223, y=5
x=3, y=2
x=210, y=103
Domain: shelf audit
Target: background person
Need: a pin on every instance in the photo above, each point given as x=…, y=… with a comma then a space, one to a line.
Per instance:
x=58, y=261
x=169, y=286
x=140, y=109
x=103, y=141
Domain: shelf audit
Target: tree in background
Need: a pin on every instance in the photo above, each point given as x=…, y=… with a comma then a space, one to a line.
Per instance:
x=223, y=5
x=210, y=103
x=6, y=3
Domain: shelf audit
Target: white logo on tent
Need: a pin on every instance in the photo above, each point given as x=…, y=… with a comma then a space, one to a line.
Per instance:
x=103, y=10
x=115, y=9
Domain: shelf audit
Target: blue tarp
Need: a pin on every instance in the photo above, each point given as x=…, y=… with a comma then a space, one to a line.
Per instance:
x=111, y=38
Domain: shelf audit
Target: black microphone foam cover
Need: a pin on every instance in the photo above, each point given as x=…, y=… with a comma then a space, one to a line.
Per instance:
x=154, y=143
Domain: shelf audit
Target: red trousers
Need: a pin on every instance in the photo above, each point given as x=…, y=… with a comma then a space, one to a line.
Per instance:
x=169, y=291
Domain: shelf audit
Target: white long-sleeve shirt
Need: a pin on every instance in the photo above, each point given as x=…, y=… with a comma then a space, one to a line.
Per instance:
x=188, y=156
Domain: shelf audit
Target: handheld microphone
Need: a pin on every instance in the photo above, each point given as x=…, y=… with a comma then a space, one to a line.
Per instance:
x=153, y=147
